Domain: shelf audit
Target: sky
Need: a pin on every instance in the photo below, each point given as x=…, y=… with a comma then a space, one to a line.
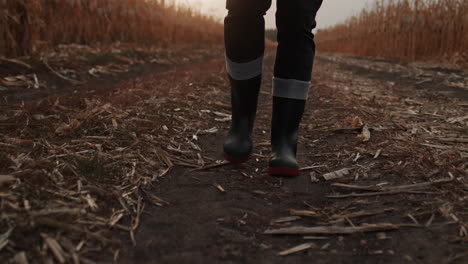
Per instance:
x=331, y=13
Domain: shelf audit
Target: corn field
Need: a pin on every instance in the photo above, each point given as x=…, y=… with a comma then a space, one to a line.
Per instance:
x=405, y=30
x=28, y=27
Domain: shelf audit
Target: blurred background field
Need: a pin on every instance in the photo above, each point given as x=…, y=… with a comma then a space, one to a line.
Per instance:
x=407, y=30
x=35, y=26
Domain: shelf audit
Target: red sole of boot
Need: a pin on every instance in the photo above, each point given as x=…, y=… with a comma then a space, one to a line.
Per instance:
x=236, y=160
x=283, y=172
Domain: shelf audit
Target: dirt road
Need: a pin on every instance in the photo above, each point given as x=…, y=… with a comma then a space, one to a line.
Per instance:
x=383, y=147
x=203, y=224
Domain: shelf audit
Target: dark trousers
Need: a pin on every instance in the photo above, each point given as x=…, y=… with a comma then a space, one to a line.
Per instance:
x=245, y=42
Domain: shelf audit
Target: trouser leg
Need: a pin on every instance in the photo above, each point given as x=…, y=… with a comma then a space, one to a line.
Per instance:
x=245, y=43
x=295, y=20
x=244, y=35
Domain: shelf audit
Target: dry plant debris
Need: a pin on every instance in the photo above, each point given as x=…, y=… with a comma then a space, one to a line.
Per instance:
x=400, y=158
x=300, y=230
x=336, y=174
x=78, y=168
x=296, y=249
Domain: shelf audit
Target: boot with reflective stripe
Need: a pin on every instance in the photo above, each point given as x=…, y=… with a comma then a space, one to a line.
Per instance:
x=287, y=115
x=244, y=95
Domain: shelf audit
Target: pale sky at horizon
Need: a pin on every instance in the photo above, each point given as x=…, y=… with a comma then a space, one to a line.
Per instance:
x=331, y=13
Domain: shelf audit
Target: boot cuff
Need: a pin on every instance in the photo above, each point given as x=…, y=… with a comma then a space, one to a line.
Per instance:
x=244, y=71
x=290, y=88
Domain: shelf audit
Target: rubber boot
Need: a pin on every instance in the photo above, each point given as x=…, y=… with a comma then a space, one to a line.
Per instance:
x=287, y=115
x=244, y=95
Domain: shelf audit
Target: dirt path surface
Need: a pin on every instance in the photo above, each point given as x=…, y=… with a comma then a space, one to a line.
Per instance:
x=206, y=224
x=384, y=179
x=77, y=68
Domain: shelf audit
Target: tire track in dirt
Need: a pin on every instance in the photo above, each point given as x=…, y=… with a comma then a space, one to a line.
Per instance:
x=126, y=69
x=449, y=82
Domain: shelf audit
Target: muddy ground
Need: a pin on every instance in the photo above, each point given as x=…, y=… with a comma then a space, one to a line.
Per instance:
x=398, y=130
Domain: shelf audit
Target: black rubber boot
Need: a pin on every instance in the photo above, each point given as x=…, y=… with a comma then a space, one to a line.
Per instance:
x=287, y=115
x=244, y=95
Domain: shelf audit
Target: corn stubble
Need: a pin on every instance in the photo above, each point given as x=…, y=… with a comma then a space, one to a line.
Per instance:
x=28, y=27
x=406, y=30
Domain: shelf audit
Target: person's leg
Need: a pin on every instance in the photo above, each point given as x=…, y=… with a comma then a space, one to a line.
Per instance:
x=295, y=20
x=244, y=33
